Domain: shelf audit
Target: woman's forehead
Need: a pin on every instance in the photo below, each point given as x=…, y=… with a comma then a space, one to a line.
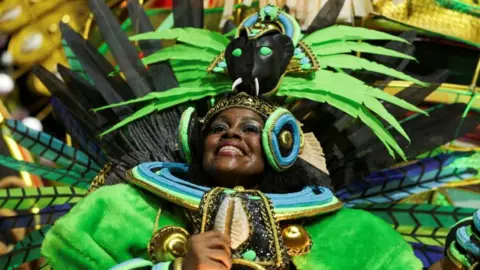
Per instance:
x=239, y=113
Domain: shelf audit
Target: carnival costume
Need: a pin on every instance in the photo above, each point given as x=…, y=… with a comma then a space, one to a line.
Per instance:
x=141, y=210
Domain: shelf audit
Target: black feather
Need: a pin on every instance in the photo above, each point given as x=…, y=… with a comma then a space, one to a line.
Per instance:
x=122, y=49
x=188, y=13
x=161, y=74
x=327, y=16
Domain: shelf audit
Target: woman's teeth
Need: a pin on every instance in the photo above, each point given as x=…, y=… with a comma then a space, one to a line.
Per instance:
x=230, y=150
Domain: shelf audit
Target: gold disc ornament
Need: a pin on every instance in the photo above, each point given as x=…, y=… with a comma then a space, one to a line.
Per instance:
x=168, y=243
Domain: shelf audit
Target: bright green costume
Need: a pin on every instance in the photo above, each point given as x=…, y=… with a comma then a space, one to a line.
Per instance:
x=94, y=236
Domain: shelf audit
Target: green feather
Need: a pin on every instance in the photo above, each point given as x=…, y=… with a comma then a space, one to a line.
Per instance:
x=28, y=198
x=193, y=36
x=356, y=63
x=44, y=145
x=50, y=173
x=73, y=62
x=345, y=33
x=164, y=100
x=341, y=46
x=352, y=108
x=180, y=52
x=343, y=88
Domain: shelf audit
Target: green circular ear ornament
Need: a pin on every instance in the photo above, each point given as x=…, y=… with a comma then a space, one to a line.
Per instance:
x=184, y=131
x=281, y=139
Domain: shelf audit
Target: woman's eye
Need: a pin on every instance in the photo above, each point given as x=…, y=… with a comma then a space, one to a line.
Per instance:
x=218, y=129
x=251, y=129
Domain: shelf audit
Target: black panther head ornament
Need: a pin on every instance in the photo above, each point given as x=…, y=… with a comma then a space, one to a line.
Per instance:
x=266, y=46
x=257, y=65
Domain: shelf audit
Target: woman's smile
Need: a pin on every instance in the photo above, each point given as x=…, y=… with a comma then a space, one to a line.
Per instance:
x=232, y=149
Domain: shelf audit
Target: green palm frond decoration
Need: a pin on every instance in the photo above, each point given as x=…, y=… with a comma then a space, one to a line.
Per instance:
x=192, y=36
x=51, y=173
x=28, y=250
x=44, y=145
x=167, y=99
x=420, y=223
x=332, y=46
x=28, y=198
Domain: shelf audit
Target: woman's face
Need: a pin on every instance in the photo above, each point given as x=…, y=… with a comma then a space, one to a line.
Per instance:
x=232, y=150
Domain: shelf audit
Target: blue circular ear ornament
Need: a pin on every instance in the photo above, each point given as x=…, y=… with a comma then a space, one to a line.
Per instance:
x=281, y=139
x=184, y=131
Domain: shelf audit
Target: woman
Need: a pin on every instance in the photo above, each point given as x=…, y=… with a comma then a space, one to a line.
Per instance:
x=103, y=230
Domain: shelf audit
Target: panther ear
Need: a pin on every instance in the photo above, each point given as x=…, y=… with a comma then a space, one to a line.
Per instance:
x=286, y=44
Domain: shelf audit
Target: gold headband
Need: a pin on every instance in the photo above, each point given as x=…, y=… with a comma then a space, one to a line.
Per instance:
x=243, y=101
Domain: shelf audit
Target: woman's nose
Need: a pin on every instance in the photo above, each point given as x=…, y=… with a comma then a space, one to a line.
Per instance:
x=232, y=133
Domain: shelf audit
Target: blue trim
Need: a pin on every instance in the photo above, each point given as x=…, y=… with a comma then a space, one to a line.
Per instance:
x=250, y=21
x=464, y=240
x=282, y=122
x=476, y=219
x=287, y=24
x=133, y=264
x=162, y=266
x=304, y=198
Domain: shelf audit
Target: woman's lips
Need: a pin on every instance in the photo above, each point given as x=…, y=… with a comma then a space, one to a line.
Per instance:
x=229, y=150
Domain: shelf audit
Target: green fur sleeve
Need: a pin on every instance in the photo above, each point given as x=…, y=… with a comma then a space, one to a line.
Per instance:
x=355, y=239
x=110, y=226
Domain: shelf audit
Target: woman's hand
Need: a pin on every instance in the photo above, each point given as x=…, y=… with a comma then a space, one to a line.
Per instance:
x=208, y=251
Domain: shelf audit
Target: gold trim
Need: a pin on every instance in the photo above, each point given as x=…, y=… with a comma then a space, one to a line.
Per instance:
x=308, y=213
x=178, y=264
x=273, y=223
x=160, y=193
x=248, y=263
x=99, y=179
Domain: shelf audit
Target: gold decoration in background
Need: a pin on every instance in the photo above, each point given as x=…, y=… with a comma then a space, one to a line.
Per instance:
x=36, y=37
x=428, y=15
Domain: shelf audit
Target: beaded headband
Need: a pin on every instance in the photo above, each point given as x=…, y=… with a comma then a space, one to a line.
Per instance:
x=243, y=101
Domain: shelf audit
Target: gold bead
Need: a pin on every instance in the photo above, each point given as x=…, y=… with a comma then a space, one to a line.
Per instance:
x=296, y=239
x=66, y=19
x=168, y=243
x=239, y=188
x=286, y=140
x=53, y=28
